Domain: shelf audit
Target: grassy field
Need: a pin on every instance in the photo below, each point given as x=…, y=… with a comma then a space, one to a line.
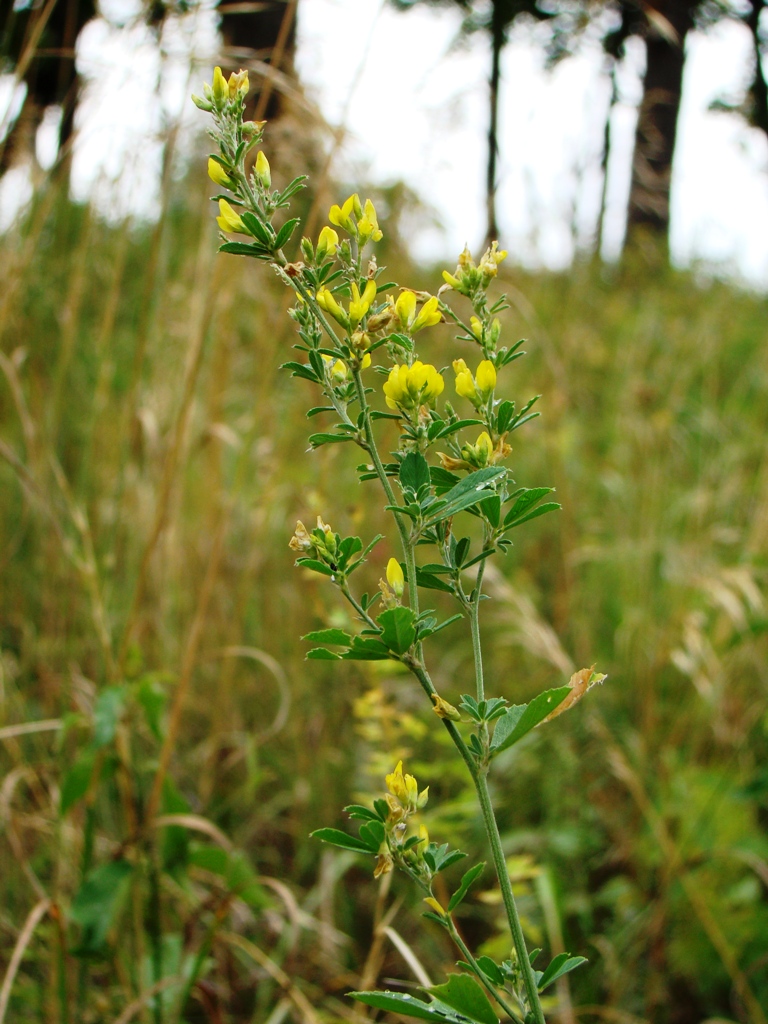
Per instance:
x=155, y=863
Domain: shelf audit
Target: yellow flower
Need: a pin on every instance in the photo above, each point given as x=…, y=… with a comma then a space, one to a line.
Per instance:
x=408, y=387
x=229, y=220
x=479, y=388
x=366, y=361
x=326, y=242
x=490, y=260
x=262, y=171
x=476, y=327
x=217, y=173
x=301, y=540
x=338, y=370
x=395, y=577
x=238, y=84
x=368, y=225
x=342, y=216
x=326, y=301
x=359, y=305
x=434, y=905
x=358, y=221
x=485, y=378
x=405, y=307
x=484, y=447
x=220, y=87
x=429, y=315
x=405, y=790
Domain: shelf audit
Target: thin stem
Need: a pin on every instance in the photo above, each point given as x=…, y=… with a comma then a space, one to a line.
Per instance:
x=500, y=864
x=452, y=931
x=344, y=588
x=474, y=619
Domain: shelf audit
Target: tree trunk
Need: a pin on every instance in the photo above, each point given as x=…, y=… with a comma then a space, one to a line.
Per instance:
x=656, y=130
x=265, y=32
x=758, y=88
x=498, y=39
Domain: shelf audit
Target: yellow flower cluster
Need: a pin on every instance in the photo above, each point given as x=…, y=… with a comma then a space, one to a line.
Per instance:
x=222, y=91
x=468, y=277
x=358, y=220
x=428, y=315
x=358, y=304
x=404, y=797
x=408, y=387
x=478, y=455
x=479, y=388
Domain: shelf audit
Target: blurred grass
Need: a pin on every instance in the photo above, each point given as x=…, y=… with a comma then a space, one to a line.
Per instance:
x=153, y=465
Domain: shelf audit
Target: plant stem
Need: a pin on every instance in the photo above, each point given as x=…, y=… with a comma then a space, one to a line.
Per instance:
x=478, y=777
x=474, y=619
x=499, y=862
x=491, y=826
x=453, y=932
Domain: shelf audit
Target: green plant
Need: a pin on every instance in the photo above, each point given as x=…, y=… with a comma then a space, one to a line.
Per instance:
x=346, y=318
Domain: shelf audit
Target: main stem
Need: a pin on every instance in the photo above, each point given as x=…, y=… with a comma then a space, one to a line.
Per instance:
x=478, y=776
x=480, y=779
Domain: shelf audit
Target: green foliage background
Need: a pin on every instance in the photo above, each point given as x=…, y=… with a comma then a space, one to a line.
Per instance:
x=153, y=466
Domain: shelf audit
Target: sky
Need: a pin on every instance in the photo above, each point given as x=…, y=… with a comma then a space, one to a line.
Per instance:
x=413, y=105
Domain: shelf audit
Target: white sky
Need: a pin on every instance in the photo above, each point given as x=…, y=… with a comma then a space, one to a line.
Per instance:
x=415, y=108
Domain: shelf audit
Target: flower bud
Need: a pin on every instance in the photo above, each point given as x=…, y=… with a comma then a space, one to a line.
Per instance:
x=486, y=378
x=217, y=173
x=229, y=220
x=262, y=171
x=220, y=88
x=326, y=243
x=395, y=576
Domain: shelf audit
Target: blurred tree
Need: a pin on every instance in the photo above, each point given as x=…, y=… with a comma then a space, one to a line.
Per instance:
x=496, y=19
x=663, y=28
x=37, y=46
x=264, y=32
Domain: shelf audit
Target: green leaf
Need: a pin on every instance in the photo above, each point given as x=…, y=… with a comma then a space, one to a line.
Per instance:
x=414, y=473
x=372, y=834
x=321, y=654
x=430, y=582
x=492, y=509
x=467, y=492
x=307, y=372
x=562, y=964
x=97, y=903
x=317, y=440
x=329, y=636
x=468, y=879
x=314, y=565
x=107, y=713
x=451, y=428
x=398, y=629
x=491, y=970
x=262, y=232
x=408, y=1006
x=335, y=837
x=362, y=812
x=241, y=249
x=521, y=718
x=78, y=779
x=548, y=506
x=464, y=994
x=285, y=232
x=527, y=497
